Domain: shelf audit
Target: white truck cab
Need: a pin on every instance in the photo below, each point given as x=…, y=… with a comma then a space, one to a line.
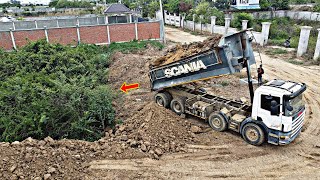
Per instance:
x=278, y=105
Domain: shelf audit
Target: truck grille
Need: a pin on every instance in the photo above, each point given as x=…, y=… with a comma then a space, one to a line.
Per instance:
x=297, y=124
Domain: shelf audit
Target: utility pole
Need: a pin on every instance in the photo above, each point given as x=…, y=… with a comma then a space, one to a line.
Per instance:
x=162, y=22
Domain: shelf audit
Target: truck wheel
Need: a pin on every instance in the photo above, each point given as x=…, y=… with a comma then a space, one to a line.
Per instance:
x=253, y=134
x=217, y=122
x=177, y=106
x=163, y=99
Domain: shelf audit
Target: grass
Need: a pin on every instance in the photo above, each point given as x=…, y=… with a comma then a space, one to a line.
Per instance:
x=293, y=61
x=224, y=83
x=276, y=51
x=133, y=46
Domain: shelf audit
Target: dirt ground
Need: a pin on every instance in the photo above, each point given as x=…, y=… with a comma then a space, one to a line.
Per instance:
x=155, y=143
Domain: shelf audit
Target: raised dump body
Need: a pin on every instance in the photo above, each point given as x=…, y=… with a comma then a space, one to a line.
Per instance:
x=227, y=58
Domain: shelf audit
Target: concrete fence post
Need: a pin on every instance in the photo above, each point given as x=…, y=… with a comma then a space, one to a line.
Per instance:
x=201, y=19
x=130, y=18
x=12, y=38
x=57, y=22
x=213, y=23
x=304, y=40
x=136, y=30
x=13, y=25
x=97, y=20
x=46, y=33
x=174, y=19
x=78, y=34
x=194, y=22
x=78, y=22
x=36, y=24
x=244, y=24
x=182, y=21
x=227, y=25
x=265, y=33
x=317, y=51
x=106, y=20
x=108, y=33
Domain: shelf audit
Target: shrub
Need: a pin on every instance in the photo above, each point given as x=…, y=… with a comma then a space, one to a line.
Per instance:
x=54, y=90
x=238, y=17
x=316, y=8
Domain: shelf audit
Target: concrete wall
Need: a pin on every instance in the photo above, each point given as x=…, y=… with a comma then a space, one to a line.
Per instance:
x=51, y=22
x=97, y=34
x=313, y=16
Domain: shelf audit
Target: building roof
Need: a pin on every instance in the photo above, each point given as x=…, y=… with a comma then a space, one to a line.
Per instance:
x=116, y=9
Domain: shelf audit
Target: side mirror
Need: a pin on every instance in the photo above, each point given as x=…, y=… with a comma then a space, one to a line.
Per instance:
x=289, y=108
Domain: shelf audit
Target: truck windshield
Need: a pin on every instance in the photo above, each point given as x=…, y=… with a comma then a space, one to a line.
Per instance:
x=297, y=103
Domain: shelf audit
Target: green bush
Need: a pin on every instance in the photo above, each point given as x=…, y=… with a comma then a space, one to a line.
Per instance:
x=316, y=8
x=54, y=90
x=238, y=17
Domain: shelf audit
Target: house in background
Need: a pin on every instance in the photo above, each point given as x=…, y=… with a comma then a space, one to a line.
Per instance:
x=245, y=4
x=119, y=13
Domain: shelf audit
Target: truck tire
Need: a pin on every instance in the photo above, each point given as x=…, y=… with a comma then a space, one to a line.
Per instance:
x=217, y=122
x=177, y=106
x=253, y=134
x=163, y=99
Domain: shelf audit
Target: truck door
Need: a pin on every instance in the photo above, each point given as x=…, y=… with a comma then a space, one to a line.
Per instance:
x=271, y=121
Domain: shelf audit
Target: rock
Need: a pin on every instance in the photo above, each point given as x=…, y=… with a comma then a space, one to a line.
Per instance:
x=52, y=170
x=158, y=152
x=121, y=128
x=46, y=176
x=13, y=168
x=156, y=156
x=124, y=138
x=41, y=143
x=151, y=152
x=119, y=150
x=147, y=143
x=14, y=177
x=28, y=157
x=195, y=129
x=15, y=143
x=143, y=148
x=133, y=143
x=37, y=178
x=77, y=156
x=244, y=100
x=48, y=139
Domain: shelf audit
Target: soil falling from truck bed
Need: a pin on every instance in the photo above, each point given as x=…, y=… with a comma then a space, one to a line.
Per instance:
x=182, y=51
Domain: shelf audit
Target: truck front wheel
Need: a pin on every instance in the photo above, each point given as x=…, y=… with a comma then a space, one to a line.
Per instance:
x=163, y=99
x=177, y=106
x=253, y=134
x=217, y=122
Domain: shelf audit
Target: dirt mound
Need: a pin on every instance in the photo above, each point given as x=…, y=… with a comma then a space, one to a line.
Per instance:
x=156, y=131
x=182, y=51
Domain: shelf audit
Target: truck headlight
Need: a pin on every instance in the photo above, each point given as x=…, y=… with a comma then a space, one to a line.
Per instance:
x=284, y=137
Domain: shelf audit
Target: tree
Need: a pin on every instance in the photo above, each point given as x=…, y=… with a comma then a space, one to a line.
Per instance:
x=222, y=4
x=153, y=8
x=173, y=6
x=184, y=6
x=264, y=4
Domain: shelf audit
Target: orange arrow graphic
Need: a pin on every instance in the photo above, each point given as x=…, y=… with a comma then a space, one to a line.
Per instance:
x=126, y=87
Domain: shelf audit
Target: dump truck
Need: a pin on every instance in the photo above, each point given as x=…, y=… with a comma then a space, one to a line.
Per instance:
x=276, y=112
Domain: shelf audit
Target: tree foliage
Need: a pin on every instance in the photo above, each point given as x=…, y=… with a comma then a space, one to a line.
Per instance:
x=70, y=4
x=238, y=17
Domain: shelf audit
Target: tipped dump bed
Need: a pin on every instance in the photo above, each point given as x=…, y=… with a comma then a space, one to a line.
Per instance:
x=226, y=58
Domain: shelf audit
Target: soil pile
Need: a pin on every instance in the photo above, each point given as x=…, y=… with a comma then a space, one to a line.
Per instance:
x=156, y=130
x=182, y=51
